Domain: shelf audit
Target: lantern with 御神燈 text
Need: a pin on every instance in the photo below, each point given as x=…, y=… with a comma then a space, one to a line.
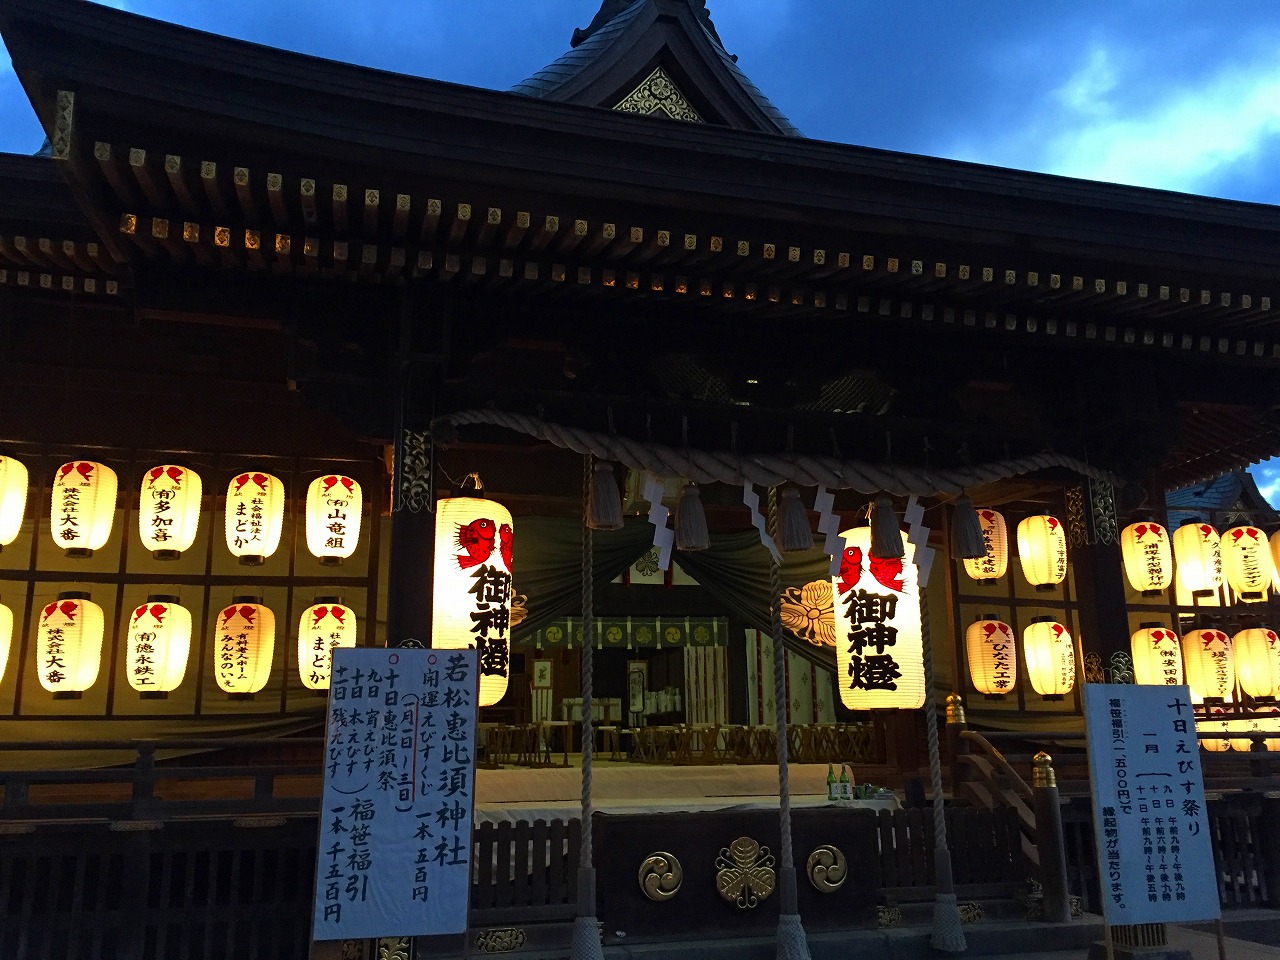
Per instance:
x=1042, y=551
x=993, y=656
x=84, y=506
x=879, y=646
x=1246, y=563
x=334, y=506
x=255, y=516
x=995, y=538
x=1157, y=656
x=244, y=644
x=1148, y=561
x=69, y=652
x=1197, y=553
x=1257, y=657
x=159, y=645
x=324, y=626
x=1051, y=658
x=13, y=498
x=473, y=586
x=169, y=510
x=1210, y=664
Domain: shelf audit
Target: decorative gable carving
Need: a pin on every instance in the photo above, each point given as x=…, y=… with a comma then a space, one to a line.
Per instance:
x=658, y=95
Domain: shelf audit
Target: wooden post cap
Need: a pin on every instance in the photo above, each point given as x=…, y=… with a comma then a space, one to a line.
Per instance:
x=1043, y=775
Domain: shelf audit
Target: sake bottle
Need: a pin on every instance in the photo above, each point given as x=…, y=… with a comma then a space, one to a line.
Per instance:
x=831, y=782
x=846, y=790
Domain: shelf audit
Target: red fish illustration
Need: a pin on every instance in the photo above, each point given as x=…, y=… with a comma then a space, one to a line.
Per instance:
x=246, y=613
x=504, y=544
x=157, y=612
x=990, y=628
x=331, y=482
x=888, y=570
x=850, y=568
x=476, y=538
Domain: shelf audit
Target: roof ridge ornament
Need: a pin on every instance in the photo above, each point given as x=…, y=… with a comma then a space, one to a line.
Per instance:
x=609, y=9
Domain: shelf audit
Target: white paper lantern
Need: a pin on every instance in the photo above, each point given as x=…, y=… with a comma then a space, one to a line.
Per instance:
x=69, y=652
x=1197, y=554
x=1246, y=563
x=84, y=506
x=472, y=590
x=169, y=510
x=993, y=656
x=1157, y=656
x=325, y=625
x=13, y=498
x=1275, y=561
x=1148, y=560
x=255, y=516
x=995, y=537
x=244, y=646
x=1257, y=658
x=334, y=506
x=1214, y=744
x=1051, y=658
x=1210, y=663
x=6, y=637
x=159, y=646
x=879, y=648
x=1042, y=551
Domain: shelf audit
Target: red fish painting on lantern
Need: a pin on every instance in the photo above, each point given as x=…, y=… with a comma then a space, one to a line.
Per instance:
x=476, y=538
x=504, y=544
x=887, y=571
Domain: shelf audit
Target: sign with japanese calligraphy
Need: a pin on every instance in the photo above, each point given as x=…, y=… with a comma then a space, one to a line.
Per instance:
x=255, y=516
x=325, y=625
x=879, y=648
x=1150, y=818
x=394, y=858
x=169, y=510
x=84, y=505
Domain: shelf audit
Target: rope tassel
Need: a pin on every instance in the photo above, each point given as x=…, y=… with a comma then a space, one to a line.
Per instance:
x=886, y=535
x=691, y=520
x=794, y=532
x=966, y=531
x=605, y=507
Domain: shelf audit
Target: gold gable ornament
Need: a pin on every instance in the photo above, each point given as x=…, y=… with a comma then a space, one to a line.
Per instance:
x=658, y=95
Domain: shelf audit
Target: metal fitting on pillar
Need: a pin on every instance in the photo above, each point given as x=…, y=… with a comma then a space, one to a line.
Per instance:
x=1042, y=775
x=955, y=709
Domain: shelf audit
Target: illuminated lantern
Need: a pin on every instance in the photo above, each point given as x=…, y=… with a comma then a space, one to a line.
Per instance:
x=84, y=505
x=255, y=516
x=244, y=646
x=1051, y=658
x=993, y=657
x=472, y=598
x=324, y=625
x=1157, y=656
x=169, y=510
x=159, y=645
x=13, y=498
x=1257, y=657
x=879, y=647
x=1246, y=563
x=1148, y=561
x=1275, y=560
x=334, y=505
x=1197, y=552
x=1042, y=550
x=1211, y=670
x=6, y=637
x=69, y=651
x=1214, y=744
x=995, y=536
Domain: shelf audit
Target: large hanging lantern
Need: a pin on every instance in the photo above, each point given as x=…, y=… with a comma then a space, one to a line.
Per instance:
x=334, y=507
x=993, y=656
x=6, y=637
x=472, y=596
x=159, y=646
x=1246, y=563
x=1275, y=560
x=1148, y=560
x=1051, y=658
x=1197, y=552
x=1157, y=656
x=1257, y=658
x=1210, y=663
x=255, y=516
x=169, y=510
x=1042, y=550
x=84, y=506
x=995, y=537
x=244, y=647
x=879, y=647
x=13, y=498
x=324, y=626
x=69, y=652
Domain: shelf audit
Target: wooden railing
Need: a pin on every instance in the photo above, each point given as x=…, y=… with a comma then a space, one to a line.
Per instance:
x=988, y=780
x=986, y=853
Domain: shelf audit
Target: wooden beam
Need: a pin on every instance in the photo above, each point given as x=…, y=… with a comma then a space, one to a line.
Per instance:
x=307, y=197
x=400, y=221
x=213, y=190
x=146, y=178
x=109, y=164
x=275, y=199
x=176, y=171
x=372, y=199
x=339, y=208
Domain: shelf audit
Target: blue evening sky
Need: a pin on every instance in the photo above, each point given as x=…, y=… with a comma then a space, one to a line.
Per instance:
x=1178, y=94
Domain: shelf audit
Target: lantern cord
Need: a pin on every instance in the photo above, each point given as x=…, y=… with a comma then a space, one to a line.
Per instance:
x=792, y=943
x=947, y=932
x=585, y=943
x=708, y=466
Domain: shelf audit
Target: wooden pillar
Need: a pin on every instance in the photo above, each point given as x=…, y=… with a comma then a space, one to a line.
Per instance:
x=1099, y=577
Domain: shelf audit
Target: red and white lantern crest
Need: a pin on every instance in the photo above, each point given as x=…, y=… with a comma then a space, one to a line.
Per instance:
x=84, y=507
x=334, y=507
x=255, y=516
x=325, y=625
x=69, y=652
x=993, y=656
x=244, y=646
x=169, y=510
x=1157, y=656
x=1246, y=563
x=1148, y=559
x=159, y=645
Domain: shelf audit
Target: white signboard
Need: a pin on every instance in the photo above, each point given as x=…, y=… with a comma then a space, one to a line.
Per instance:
x=395, y=819
x=1150, y=818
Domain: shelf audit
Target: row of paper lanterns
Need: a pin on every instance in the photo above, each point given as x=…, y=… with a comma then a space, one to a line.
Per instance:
x=993, y=657
x=1242, y=556
x=83, y=510
x=71, y=629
